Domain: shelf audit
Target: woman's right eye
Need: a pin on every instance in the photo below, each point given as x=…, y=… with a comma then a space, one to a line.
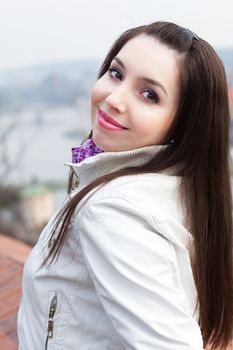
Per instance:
x=115, y=73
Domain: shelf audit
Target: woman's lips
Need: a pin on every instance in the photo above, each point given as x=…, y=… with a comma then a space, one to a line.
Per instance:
x=108, y=122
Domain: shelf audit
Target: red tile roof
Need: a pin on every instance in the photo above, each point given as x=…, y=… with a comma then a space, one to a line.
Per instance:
x=12, y=256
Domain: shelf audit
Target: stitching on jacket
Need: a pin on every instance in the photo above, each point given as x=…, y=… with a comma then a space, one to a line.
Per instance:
x=97, y=292
x=147, y=215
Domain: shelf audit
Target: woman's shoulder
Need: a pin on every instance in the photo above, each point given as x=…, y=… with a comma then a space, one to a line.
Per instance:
x=156, y=195
x=148, y=200
x=132, y=183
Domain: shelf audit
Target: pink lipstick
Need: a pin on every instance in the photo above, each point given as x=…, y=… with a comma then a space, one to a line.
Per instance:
x=108, y=122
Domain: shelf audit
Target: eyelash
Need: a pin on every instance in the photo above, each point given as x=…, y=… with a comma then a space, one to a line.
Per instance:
x=155, y=96
x=113, y=69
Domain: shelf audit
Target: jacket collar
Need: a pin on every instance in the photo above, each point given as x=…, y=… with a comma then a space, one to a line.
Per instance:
x=107, y=162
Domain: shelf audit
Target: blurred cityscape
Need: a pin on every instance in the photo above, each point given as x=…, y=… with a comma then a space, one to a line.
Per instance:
x=44, y=111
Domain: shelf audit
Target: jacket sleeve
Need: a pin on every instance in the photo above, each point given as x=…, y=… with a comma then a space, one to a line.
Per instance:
x=132, y=269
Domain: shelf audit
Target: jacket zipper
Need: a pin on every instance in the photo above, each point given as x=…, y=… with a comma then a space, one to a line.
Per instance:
x=50, y=328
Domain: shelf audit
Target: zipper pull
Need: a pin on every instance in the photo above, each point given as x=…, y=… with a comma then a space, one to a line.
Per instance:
x=52, y=310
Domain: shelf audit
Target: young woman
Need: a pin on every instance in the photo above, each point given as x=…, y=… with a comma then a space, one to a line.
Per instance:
x=140, y=255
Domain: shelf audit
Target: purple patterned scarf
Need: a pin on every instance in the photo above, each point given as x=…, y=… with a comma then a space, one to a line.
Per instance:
x=88, y=149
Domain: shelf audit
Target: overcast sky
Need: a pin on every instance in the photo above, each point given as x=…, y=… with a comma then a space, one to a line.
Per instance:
x=45, y=31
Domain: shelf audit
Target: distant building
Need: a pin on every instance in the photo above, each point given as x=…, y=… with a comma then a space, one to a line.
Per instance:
x=36, y=206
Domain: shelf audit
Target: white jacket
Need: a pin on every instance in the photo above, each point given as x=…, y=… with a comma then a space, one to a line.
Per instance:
x=123, y=279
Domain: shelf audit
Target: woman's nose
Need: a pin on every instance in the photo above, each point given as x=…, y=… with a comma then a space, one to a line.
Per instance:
x=117, y=100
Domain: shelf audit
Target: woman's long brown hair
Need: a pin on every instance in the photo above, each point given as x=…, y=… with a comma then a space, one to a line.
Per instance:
x=201, y=149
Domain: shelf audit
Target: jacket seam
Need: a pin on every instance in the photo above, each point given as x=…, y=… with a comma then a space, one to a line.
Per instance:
x=150, y=217
x=97, y=292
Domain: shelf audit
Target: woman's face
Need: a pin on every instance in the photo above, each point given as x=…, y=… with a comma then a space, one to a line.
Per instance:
x=133, y=104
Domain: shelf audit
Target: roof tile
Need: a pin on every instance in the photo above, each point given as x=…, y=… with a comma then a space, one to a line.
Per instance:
x=12, y=256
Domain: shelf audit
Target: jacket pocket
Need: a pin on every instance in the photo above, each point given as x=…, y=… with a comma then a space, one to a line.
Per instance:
x=58, y=314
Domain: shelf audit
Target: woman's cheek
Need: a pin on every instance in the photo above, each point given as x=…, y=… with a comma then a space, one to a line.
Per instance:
x=93, y=93
x=97, y=92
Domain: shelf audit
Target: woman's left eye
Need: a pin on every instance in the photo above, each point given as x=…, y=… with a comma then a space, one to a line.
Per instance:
x=151, y=95
x=115, y=73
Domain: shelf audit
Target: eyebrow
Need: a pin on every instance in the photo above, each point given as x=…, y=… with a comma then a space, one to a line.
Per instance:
x=148, y=80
